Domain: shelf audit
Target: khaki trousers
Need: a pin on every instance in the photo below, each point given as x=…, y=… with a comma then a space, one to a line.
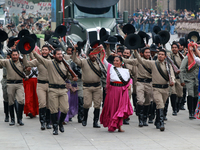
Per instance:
x=4, y=89
x=160, y=97
x=42, y=93
x=15, y=91
x=58, y=99
x=144, y=93
x=177, y=88
x=92, y=94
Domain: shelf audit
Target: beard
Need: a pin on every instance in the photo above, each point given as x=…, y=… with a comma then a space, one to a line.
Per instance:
x=45, y=56
x=125, y=56
x=59, y=61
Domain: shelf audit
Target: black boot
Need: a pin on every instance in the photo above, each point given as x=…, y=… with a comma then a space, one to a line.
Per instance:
x=166, y=109
x=134, y=97
x=61, y=120
x=157, y=120
x=140, y=115
x=6, y=111
x=179, y=103
x=189, y=105
x=42, y=112
x=12, y=115
x=16, y=105
x=20, y=114
x=80, y=109
x=125, y=121
x=194, y=105
x=145, y=113
x=161, y=116
x=96, y=118
x=84, y=122
x=174, y=105
x=48, y=116
x=152, y=111
x=55, y=123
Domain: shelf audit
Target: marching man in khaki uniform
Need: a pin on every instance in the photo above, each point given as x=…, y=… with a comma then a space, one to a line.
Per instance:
x=160, y=79
x=91, y=85
x=15, y=89
x=58, y=98
x=144, y=87
x=177, y=89
x=42, y=87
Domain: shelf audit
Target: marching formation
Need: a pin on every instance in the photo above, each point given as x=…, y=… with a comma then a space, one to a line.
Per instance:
x=63, y=79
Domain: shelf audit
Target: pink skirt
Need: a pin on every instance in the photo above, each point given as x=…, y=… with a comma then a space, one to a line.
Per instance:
x=117, y=107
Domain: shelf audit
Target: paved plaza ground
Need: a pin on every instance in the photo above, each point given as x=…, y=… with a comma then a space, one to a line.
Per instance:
x=180, y=134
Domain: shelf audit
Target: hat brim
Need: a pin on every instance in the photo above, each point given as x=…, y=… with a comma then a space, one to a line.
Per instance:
x=106, y=42
x=22, y=42
x=132, y=41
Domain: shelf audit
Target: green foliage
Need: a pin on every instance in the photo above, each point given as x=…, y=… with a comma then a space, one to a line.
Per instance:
x=37, y=1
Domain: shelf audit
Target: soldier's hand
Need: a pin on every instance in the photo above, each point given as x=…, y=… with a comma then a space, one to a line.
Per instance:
x=75, y=78
x=125, y=36
x=171, y=84
x=107, y=45
x=182, y=84
x=60, y=39
x=75, y=46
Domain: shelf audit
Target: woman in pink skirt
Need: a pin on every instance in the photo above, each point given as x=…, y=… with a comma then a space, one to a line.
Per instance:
x=117, y=104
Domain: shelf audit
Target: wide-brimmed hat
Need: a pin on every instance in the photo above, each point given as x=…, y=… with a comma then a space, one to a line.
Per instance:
x=143, y=35
x=132, y=41
x=54, y=42
x=60, y=31
x=128, y=29
x=194, y=35
x=95, y=44
x=4, y=36
x=26, y=45
x=22, y=33
x=153, y=48
x=165, y=35
x=11, y=41
x=102, y=32
x=156, y=29
x=120, y=39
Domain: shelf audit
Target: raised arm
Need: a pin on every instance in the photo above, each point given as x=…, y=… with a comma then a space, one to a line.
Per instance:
x=133, y=62
x=3, y=62
x=41, y=59
x=75, y=59
x=32, y=63
x=146, y=63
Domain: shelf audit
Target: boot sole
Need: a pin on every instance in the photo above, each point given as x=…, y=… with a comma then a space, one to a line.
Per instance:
x=162, y=129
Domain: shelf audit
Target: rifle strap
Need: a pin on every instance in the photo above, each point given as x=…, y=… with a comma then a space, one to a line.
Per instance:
x=21, y=74
x=59, y=70
x=97, y=72
x=161, y=71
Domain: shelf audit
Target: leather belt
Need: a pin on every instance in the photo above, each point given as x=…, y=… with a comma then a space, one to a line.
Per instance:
x=117, y=84
x=42, y=81
x=177, y=77
x=162, y=86
x=92, y=84
x=57, y=86
x=4, y=77
x=14, y=81
x=148, y=80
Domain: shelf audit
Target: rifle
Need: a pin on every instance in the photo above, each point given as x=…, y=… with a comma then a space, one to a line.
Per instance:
x=175, y=68
x=63, y=60
x=168, y=71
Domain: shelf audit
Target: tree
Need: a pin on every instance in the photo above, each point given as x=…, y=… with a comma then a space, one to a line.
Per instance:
x=37, y=1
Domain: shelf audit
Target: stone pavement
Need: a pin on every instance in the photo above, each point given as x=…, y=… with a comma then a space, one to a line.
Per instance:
x=180, y=134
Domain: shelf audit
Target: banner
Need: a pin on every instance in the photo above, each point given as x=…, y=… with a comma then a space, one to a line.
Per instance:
x=16, y=7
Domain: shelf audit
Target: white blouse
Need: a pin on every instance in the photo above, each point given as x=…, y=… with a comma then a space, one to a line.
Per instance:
x=113, y=75
x=197, y=59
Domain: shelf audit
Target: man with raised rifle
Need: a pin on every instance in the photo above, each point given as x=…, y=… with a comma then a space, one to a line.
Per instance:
x=58, y=98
